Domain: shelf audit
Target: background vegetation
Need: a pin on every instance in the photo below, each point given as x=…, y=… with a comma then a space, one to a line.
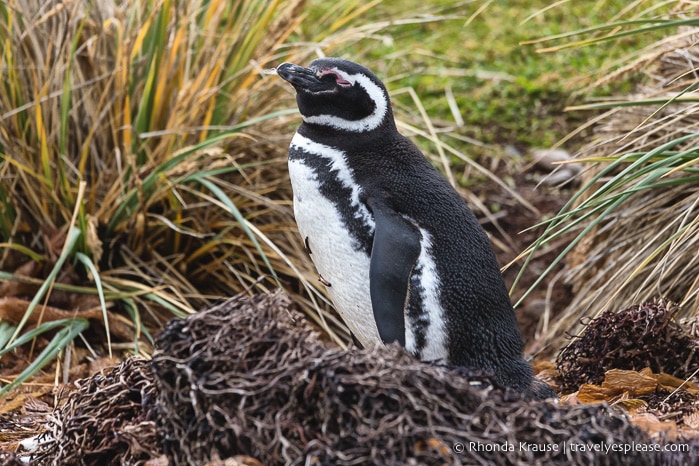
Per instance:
x=505, y=92
x=143, y=144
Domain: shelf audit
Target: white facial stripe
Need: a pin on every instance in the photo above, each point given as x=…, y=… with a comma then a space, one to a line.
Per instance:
x=365, y=124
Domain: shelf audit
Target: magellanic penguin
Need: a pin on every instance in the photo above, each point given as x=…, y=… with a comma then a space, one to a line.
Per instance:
x=402, y=256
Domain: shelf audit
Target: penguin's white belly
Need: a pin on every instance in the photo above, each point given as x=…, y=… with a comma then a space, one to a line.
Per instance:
x=333, y=252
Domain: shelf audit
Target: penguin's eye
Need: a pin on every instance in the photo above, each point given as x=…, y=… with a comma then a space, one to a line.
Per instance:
x=327, y=75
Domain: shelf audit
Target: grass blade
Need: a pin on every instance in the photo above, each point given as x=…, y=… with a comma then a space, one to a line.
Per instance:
x=71, y=240
x=87, y=262
x=71, y=328
x=231, y=207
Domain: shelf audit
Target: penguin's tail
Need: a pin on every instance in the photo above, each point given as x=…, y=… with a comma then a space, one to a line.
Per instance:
x=541, y=390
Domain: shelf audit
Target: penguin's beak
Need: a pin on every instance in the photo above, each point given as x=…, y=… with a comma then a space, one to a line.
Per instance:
x=302, y=78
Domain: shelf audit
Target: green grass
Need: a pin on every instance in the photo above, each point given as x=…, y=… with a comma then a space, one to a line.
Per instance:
x=506, y=93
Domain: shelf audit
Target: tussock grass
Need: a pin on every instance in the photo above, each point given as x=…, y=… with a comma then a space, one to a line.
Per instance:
x=143, y=165
x=139, y=163
x=634, y=222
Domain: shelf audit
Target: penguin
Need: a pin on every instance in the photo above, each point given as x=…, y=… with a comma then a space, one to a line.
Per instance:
x=402, y=256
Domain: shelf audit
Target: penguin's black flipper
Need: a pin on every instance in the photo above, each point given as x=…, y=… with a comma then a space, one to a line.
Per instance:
x=394, y=253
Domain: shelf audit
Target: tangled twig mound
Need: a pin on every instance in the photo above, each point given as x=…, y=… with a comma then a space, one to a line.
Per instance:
x=249, y=377
x=11, y=459
x=107, y=421
x=249, y=383
x=641, y=336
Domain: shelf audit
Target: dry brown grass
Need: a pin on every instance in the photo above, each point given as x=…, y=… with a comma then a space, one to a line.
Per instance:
x=636, y=219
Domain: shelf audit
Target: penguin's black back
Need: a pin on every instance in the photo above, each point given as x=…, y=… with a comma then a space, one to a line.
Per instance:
x=481, y=326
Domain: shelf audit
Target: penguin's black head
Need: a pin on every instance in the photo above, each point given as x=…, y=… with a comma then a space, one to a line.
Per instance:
x=339, y=94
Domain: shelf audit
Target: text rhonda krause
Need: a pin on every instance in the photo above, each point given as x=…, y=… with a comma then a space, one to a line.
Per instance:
x=575, y=447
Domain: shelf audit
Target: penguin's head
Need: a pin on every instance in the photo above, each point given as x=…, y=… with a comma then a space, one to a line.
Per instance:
x=339, y=94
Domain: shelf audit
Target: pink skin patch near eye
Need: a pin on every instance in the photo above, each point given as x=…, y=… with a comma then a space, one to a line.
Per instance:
x=338, y=79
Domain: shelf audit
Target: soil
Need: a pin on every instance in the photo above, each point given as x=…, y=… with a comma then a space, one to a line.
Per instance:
x=515, y=221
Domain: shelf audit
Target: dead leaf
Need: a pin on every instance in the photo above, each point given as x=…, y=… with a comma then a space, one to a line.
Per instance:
x=635, y=383
x=94, y=243
x=24, y=401
x=13, y=309
x=631, y=384
x=570, y=399
x=161, y=460
x=29, y=269
x=590, y=393
x=546, y=371
x=673, y=382
x=654, y=426
x=432, y=444
x=691, y=420
x=543, y=365
x=631, y=405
